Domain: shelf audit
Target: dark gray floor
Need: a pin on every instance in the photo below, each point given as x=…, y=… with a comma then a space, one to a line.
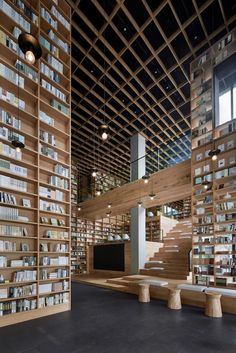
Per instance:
x=103, y=321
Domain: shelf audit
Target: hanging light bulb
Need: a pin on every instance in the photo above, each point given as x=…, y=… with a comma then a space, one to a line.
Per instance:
x=109, y=205
x=18, y=145
x=104, y=131
x=146, y=178
x=214, y=154
x=152, y=195
x=94, y=173
x=140, y=203
x=205, y=184
x=30, y=46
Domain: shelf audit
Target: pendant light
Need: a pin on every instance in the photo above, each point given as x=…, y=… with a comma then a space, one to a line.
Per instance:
x=109, y=205
x=18, y=145
x=146, y=178
x=140, y=203
x=104, y=131
x=152, y=195
x=214, y=154
x=94, y=173
x=30, y=46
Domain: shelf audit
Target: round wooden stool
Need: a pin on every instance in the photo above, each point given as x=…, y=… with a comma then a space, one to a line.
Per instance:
x=174, y=300
x=213, y=305
x=144, y=295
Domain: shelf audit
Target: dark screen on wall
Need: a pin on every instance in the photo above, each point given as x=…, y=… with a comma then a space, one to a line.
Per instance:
x=109, y=257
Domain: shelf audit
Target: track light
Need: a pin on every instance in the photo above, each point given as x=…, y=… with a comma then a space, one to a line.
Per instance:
x=140, y=203
x=152, y=195
x=18, y=145
x=214, y=154
x=146, y=178
x=104, y=131
x=30, y=46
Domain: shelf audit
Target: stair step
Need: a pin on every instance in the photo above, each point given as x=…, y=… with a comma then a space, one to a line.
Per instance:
x=149, y=272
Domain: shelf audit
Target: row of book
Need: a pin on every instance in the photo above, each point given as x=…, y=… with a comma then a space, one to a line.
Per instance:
x=22, y=291
x=11, y=75
x=48, y=152
x=60, y=18
x=53, y=287
x=225, y=217
x=15, y=16
x=51, y=194
x=46, y=118
x=56, y=64
x=49, y=72
x=11, y=214
x=51, y=300
x=13, y=168
x=47, y=137
x=47, y=16
x=7, y=198
x=59, y=169
x=225, y=227
x=10, y=135
x=62, y=44
x=27, y=70
x=57, y=273
x=56, y=234
x=9, y=119
x=6, y=40
x=15, y=184
x=50, y=206
x=13, y=231
x=44, y=247
x=50, y=47
x=17, y=306
x=224, y=206
x=11, y=98
x=58, y=93
x=6, y=245
x=24, y=276
x=59, y=182
x=27, y=11
x=54, y=261
x=25, y=261
x=8, y=151
x=55, y=104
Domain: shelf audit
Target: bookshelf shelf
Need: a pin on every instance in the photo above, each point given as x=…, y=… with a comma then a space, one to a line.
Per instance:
x=214, y=221
x=37, y=119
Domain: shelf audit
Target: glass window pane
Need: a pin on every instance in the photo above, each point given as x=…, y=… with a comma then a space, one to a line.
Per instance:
x=224, y=107
x=234, y=102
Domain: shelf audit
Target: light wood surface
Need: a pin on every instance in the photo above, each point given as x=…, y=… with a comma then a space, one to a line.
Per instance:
x=213, y=305
x=144, y=295
x=174, y=300
x=176, y=178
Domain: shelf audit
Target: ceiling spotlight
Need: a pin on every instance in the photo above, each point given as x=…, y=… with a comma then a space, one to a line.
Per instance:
x=109, y=205
x=146, y=178
x=205, y=184
x=140, y=203
x=30, y=47
x=104, y=131
x=152, y=195
x=18, y=145
x=125, y=29
x=214, y=154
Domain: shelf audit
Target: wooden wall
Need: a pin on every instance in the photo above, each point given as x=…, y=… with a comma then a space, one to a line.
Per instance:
x=169, y=185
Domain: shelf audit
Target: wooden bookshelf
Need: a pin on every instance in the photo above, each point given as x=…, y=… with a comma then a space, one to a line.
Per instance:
x=213, y=206
x=35, y=203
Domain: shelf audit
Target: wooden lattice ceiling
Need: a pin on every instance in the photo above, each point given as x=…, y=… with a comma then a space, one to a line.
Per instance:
x=130, y=69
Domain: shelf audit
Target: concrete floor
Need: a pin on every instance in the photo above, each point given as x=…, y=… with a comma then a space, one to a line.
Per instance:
x=105, y=321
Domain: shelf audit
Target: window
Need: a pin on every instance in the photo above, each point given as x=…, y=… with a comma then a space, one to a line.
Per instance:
x=225, y=91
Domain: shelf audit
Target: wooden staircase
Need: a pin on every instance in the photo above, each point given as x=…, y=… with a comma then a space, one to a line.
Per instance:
x=172, y=260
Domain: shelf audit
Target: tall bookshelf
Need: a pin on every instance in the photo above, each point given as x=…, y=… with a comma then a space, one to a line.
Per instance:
x=35, y=193
x=213, y=181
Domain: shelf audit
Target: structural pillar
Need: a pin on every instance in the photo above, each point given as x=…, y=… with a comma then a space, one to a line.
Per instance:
x=138, y=214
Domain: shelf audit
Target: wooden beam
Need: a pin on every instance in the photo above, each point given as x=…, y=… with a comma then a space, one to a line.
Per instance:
x=170, y=184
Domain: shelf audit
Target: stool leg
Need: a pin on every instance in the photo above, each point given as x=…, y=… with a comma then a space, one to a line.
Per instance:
x=213, y=307
x=144, y=295
x=174, y=300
